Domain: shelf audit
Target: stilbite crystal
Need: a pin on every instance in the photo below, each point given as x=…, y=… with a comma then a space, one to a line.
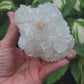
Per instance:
x=44, y=32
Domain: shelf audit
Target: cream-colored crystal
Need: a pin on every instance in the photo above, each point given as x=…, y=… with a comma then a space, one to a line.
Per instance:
x=43, y=32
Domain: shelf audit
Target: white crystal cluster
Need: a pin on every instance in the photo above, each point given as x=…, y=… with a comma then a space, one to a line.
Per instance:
x=44, y=32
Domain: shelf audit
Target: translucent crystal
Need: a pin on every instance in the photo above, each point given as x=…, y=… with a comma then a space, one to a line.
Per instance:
x=43, y=32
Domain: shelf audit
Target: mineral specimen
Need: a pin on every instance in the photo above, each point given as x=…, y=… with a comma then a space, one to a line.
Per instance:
x=43, y=32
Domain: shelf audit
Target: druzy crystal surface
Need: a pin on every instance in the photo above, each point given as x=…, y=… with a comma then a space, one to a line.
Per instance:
x=43, y=32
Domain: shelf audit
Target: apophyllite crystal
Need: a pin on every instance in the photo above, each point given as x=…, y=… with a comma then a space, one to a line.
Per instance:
x=43, y=32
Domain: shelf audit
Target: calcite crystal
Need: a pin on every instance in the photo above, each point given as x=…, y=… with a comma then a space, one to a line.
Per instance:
x=43, y=32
